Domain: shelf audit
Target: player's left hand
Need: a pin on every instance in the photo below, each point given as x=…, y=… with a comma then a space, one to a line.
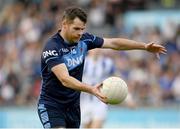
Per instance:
x=155, y=48
x=98, y=93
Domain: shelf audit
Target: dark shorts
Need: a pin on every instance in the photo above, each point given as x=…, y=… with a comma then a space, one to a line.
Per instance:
x=52, y=117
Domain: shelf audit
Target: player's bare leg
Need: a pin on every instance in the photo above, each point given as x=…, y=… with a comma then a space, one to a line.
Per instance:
x=97, y=123
x=60, y=128
x=88, y=125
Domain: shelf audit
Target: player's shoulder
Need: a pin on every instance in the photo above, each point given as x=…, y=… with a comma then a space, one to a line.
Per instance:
x=87, y=35
x=53, y=41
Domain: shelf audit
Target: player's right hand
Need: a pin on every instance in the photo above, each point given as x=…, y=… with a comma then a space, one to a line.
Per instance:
x=98, y=94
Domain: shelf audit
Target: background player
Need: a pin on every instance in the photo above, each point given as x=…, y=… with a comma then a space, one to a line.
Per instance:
x=97, y=68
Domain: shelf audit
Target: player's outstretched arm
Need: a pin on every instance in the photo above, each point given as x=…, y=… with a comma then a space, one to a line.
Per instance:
x=62, y=74
x=126, y=44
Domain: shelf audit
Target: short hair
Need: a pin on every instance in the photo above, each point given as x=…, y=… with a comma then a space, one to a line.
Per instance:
x=72, y=12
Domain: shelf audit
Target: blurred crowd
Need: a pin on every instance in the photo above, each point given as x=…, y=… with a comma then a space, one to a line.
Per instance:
x=26, y=25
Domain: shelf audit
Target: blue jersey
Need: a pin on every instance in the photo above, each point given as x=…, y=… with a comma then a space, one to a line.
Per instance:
x=57, y=51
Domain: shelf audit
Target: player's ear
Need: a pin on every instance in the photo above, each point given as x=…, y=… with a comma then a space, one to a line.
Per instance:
x=64, y=25
x=64, y=22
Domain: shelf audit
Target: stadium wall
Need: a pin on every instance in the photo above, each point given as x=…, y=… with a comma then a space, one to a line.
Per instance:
x=27, y=117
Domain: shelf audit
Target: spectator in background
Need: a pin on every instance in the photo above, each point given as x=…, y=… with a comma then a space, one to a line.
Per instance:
x=176, y=87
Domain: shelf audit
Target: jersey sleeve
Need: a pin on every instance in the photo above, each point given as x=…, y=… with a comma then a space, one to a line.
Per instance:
x=51, y=55
x=92, y=41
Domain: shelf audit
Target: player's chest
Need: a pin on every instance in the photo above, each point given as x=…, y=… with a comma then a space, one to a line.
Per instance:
x=73, y=56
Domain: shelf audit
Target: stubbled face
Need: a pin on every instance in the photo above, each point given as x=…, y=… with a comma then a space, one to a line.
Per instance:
x=74, y=30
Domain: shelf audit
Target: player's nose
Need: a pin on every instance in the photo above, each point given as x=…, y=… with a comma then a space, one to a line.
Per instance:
x=80, y=33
